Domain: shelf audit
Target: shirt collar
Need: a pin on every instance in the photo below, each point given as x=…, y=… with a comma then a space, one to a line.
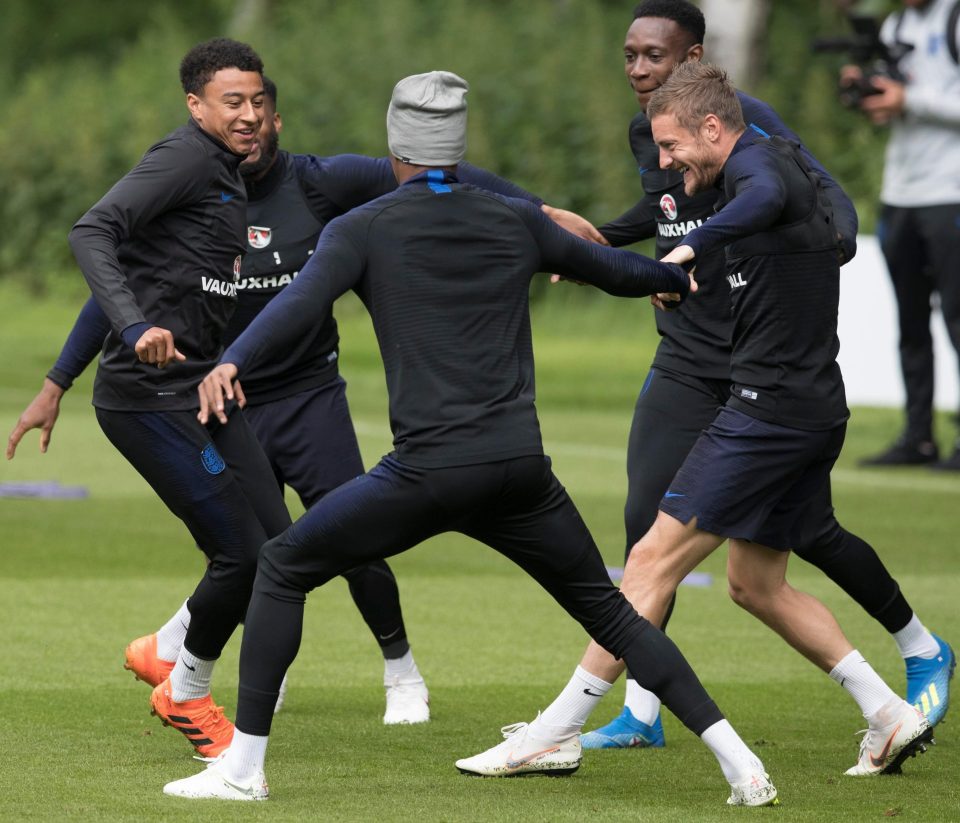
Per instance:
x=433, y=177
x=216, y=141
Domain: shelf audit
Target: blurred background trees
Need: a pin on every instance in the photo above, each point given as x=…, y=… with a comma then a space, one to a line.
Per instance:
x=92, y=83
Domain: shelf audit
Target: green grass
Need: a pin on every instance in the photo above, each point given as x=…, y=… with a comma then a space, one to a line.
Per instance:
x=81, y=578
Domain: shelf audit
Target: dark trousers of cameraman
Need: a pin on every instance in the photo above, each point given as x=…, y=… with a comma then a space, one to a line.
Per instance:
x=922, y=249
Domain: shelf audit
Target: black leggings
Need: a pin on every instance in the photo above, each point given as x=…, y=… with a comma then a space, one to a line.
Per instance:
x=516, y=507
x=310, y=442
x=218, y=482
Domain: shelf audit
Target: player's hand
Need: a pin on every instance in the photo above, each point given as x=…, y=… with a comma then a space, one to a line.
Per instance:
x=156, y=346
x=41, y=414
x=667, y=301
x=238, y=394
x=850, y=75
x=215, y=390
x=575, y=224
x=888, y=104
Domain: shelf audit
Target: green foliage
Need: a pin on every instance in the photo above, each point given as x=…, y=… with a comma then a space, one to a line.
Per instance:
x=92, y=84
x=802, y=87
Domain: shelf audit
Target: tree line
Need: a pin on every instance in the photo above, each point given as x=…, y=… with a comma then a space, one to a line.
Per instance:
x=92, y=84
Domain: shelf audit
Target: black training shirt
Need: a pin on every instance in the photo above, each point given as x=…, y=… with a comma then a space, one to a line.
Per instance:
x=163, y=247
x=444, y=270
x=695, y=339
x=783, y=280
x=286, y=212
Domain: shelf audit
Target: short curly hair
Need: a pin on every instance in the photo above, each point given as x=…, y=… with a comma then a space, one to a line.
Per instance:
x=686, y=15
x=205, y=59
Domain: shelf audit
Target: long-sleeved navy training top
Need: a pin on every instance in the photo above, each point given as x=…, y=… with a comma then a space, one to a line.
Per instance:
x=444, y=270
x=776, y=230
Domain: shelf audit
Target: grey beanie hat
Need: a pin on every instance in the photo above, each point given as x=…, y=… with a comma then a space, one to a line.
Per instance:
x=427, y=119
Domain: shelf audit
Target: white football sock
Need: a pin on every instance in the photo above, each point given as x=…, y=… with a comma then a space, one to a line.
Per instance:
x=567, y=714
x=914, y=640
x=190, y=678
x=245, y=757
x=865, y=686
x=643, y=705
x=170, y=636
x=403, y=668
x=736, y=760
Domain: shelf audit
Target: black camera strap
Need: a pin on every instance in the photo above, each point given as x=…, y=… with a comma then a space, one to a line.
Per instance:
x=951, y=33
x=952, y=20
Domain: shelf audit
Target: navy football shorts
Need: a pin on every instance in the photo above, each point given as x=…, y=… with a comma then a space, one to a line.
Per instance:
x=752, y=480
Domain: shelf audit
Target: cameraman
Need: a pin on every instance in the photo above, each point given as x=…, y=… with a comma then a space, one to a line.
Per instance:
x=919, y=228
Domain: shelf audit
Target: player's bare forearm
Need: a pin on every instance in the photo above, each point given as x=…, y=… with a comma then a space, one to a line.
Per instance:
x=575, y=224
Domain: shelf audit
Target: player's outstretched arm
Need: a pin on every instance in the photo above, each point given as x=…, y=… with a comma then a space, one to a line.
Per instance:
x=41, y=413
x=82, y=344
x=615, y=271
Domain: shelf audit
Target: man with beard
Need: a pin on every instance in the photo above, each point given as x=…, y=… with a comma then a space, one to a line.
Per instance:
x=690, y=378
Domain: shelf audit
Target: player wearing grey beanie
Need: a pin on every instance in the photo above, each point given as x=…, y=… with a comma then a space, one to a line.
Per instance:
x=427, y=119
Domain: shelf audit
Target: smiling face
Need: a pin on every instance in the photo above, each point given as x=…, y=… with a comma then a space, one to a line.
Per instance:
x=230, y=107
x=695, y=153
x=653, y=48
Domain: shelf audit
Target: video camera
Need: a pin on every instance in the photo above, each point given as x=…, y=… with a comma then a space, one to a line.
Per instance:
x=869, y=52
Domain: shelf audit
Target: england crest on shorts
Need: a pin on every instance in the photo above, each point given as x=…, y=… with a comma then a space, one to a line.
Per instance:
x=668, y=206
x=258, y=236
x=211, y=459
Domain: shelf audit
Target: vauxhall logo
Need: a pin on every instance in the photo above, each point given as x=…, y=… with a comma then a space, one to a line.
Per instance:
x=681, y=229
x=736, y=281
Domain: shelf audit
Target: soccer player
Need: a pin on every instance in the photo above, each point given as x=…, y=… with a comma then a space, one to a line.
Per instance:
x=444, y=270
x=755, y=473
x=161, y=253
x=690, y=378
x=290, y=199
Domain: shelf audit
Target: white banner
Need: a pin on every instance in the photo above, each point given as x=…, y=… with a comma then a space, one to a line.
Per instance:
x=869, y=336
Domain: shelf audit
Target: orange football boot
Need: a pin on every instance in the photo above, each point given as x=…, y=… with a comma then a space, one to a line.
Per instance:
x=199, y=720
x=142, y=660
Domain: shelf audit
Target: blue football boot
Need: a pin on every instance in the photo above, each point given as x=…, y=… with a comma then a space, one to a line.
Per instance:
x=928, y=682
x=625, y=732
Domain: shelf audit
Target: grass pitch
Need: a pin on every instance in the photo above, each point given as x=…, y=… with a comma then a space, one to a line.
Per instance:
x=80, y=578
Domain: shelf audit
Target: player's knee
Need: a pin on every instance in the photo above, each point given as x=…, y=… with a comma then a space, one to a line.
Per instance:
x=270, y=563
x=749, y=597
x=739, y=595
